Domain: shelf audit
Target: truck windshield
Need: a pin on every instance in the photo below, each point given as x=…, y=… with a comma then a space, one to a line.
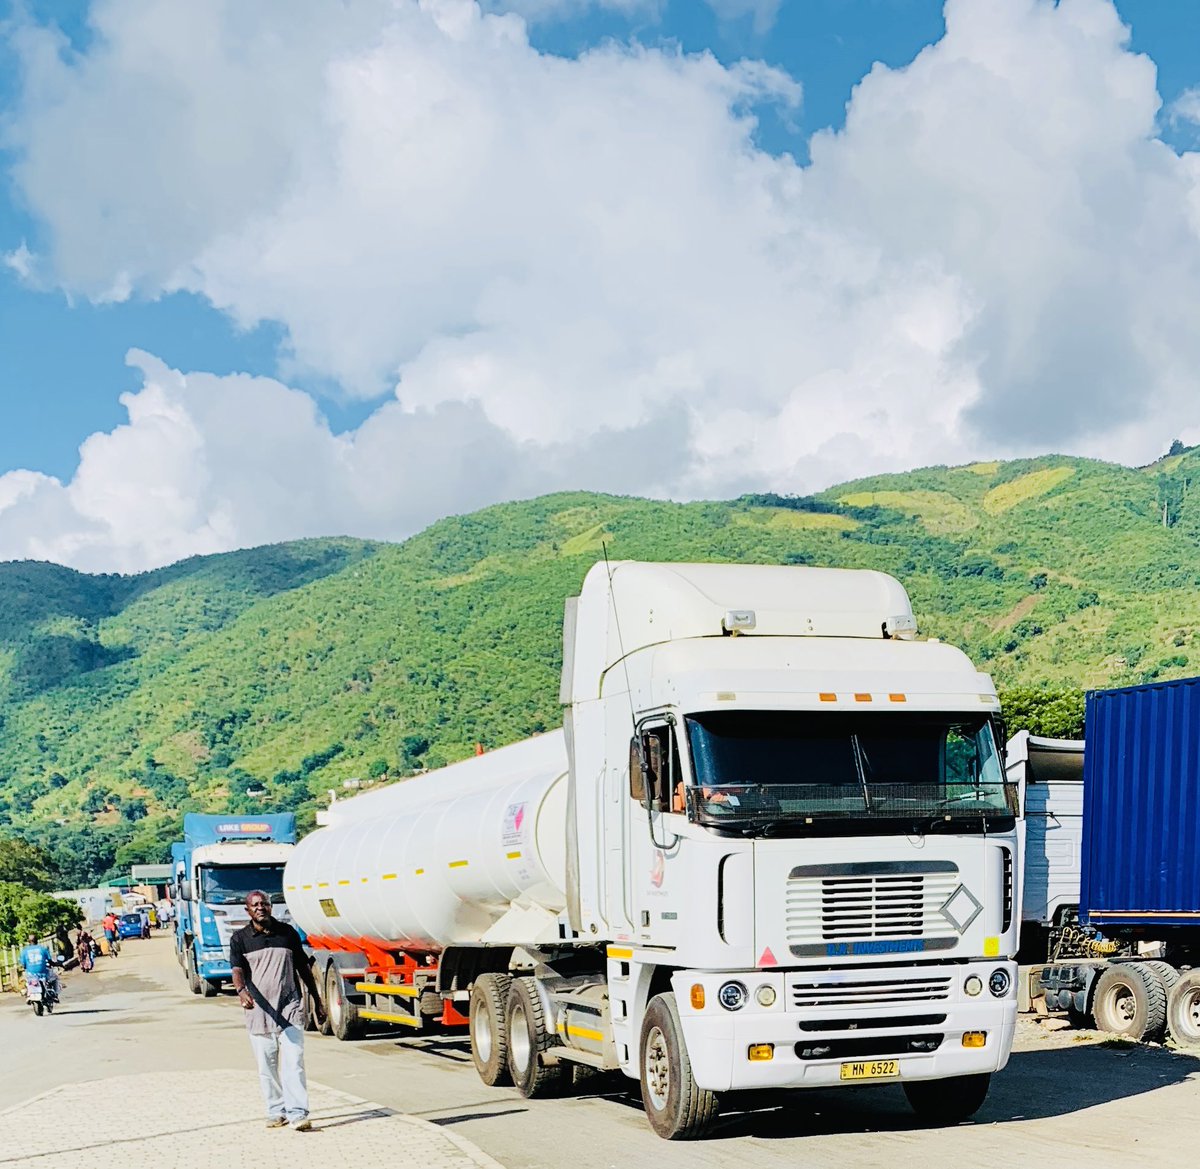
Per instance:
x=231, y=884
x=794, y=772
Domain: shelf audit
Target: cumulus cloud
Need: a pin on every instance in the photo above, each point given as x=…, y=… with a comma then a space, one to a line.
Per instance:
x=208, y=463
x=586, y=272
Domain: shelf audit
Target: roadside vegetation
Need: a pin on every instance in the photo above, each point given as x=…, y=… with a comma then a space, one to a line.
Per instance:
x=263, y=679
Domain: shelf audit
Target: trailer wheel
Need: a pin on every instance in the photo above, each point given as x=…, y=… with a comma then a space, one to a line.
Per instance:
x=343, y=1014
x=1183, y=1009
x=947, y=1101
x=489, y=1028
x=1130, y=1000
x=678, y=1110
x=533, y=1072
x=193, y=978
x=1167, y=974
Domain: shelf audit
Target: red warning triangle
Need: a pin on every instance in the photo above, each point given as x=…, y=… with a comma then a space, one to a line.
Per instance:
x=767, y=958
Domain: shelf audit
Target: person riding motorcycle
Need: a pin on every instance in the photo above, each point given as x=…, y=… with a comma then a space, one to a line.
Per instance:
x=37, y=962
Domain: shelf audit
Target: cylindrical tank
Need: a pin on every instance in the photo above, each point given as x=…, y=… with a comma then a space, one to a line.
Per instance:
x=440, y=858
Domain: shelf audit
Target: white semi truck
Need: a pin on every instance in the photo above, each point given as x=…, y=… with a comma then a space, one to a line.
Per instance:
x=772, y=846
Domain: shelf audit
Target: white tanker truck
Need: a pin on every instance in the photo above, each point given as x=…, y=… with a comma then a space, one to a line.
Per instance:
x=772, y=847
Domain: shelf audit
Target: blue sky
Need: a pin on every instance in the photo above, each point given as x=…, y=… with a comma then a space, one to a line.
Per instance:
x=64, y=338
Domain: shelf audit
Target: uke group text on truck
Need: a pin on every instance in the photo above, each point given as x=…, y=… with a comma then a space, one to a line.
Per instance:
x=771, y=847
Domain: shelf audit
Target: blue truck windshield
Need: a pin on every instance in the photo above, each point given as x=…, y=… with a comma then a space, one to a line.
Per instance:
x=792, y=771
x=230, y=884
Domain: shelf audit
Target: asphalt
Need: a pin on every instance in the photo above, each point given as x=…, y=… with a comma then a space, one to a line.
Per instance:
x=215, y=1119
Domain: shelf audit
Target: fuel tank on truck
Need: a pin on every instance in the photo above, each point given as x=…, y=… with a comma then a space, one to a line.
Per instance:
x=441, y=858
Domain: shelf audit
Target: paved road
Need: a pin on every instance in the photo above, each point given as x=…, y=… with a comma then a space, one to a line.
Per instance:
x=1067, y=1099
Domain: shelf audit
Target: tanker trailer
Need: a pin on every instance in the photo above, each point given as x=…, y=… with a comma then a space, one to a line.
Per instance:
x=773, y=846
x=473, y=854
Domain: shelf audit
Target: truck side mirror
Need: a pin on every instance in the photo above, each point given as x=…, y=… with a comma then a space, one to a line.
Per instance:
x=637, y=777
x=185, y=890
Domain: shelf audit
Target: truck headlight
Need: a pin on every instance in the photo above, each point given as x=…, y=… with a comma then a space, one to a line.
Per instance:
x=765, y=995
x=732, y=996
x=999, y=982
x=973, y=985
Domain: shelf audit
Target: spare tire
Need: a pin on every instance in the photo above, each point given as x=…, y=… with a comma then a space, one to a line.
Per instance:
x=1130, y=1000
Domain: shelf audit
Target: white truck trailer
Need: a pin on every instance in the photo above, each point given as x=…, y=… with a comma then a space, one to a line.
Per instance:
x=773, y=846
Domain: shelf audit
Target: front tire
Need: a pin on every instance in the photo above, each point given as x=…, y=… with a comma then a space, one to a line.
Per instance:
x=210, y=988
x=1183, y=1009
x=1130, y=1001
x=193, y=978
x=489, y=1028
x=534, y=1073
x=947, y=1101
x=37, y=1009
x=678, y=1110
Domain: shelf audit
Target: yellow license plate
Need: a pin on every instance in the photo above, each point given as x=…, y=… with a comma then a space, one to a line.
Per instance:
x=871, y=1069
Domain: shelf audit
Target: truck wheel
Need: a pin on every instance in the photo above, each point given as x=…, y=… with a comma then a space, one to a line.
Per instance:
x=1130, y=1000
x=528, y=1042
x=1167, y=974
x=193, y=978
x=343, y=1014
x=210, y=988
x=677, y=1109
x=489, y=1028
x=1183, y=1009
x=947, y=1101
x=310, y=1020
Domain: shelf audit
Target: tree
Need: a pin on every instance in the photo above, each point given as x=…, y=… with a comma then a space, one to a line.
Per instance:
x=25, y=864
x=24, y=912
x=1056, y=714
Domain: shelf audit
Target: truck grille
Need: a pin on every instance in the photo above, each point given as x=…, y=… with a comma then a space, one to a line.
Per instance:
x=828, y=990
x=865, y=908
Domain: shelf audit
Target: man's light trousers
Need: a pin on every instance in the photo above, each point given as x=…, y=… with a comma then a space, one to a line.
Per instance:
x=280, y=1060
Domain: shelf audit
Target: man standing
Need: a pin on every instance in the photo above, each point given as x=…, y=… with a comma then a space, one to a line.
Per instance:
x=109, y=925
x=269, y=965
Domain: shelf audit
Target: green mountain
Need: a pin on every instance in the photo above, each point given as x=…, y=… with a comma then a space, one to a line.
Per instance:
x=259, y=679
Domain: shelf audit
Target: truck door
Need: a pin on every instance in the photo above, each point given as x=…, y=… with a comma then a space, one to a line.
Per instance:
x=652, y=892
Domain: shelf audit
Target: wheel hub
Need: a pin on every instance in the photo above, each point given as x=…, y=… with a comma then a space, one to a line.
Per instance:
x=657, y=1068
x=518, y=1041
x=481, y=1029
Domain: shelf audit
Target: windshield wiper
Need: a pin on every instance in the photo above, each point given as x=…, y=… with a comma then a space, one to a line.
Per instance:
x=860, y=763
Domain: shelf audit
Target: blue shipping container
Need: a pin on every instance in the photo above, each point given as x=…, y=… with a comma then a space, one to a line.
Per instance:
x=1141, y=805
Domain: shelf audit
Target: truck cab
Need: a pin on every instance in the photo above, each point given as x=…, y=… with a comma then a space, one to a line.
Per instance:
x=223, y=859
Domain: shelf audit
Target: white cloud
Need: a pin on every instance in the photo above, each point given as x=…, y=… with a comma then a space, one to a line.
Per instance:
x=1186, y=107
x=761, y=12
x=586, y=273
x=209, y=463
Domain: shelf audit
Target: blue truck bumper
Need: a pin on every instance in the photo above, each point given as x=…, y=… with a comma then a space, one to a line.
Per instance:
x=215, y=969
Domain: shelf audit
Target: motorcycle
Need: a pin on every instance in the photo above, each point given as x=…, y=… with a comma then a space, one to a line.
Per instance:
x=39, y=994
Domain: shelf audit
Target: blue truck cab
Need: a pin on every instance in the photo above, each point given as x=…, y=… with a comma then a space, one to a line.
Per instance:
x=220, y=860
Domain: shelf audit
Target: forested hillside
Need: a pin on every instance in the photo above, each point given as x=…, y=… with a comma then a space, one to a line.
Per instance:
x=259, y=679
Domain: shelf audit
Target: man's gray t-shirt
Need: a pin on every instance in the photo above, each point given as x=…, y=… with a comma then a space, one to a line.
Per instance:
x=268, y=960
